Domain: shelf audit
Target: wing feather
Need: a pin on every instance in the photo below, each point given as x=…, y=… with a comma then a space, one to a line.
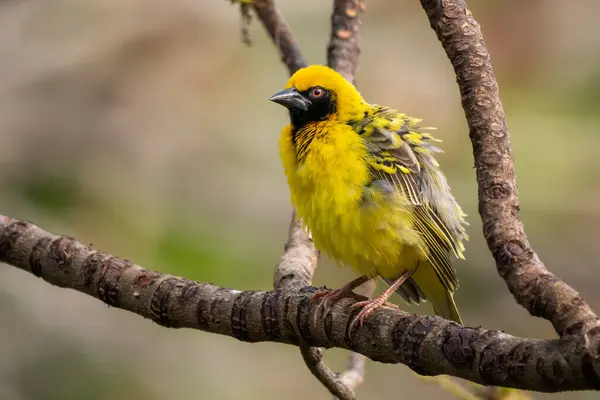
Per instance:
x=402, y=156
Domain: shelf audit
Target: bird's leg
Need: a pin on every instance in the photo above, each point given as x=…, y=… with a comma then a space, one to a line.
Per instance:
x=368, y=306
x=331, y=296
x=344, y=291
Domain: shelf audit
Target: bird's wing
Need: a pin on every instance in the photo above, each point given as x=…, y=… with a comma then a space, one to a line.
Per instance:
x=398, y=146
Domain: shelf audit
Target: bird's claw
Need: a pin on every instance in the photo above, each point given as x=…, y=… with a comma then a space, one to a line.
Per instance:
x=368, y=306
x=328, y=297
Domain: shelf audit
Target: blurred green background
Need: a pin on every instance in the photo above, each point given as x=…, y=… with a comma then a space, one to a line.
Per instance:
x=143, y=127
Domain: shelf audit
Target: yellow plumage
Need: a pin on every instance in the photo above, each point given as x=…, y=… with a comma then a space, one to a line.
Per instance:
x=363, y=179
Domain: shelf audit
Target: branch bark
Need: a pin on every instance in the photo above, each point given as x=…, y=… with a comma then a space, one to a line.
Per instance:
x=299, y=262
x=429, y=345
x=532, y=285
x=343, y=51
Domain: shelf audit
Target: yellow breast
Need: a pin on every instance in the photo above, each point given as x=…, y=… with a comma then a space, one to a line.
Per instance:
x=328, y=173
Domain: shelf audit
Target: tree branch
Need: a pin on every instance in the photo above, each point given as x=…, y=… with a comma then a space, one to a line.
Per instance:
x=299, y=261
x=344, y=44
x=533, y=286
x=313, y=358
x=295, y=270
x=429, y=345
x=354, y=376
x=343, y=51
x=280, y=33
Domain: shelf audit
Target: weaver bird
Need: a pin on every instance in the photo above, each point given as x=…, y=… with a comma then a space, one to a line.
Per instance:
x=364, y=181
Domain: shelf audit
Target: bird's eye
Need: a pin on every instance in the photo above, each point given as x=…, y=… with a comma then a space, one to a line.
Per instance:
x=317, y=92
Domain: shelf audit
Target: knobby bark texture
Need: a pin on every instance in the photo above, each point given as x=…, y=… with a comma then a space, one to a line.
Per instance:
x=532, y=285
x=429, y=345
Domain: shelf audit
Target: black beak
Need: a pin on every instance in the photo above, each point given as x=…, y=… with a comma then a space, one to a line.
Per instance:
x=291, y=98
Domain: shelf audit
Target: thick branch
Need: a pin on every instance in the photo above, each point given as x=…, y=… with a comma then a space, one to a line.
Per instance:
x=533, y=286
x=429, y=345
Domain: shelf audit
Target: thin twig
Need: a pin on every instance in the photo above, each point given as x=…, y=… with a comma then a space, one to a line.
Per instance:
x=313, y=358
x=298, y=273
x=343, y=51
x=344, y=44
x=280, y=33
x=342, y=55
x=299, y=261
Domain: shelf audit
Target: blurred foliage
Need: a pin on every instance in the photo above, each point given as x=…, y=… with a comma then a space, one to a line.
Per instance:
x=144, y=128
x=55, y=194
x=40, y=379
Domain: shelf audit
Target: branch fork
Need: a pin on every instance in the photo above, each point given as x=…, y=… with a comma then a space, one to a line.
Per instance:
x=429, y=345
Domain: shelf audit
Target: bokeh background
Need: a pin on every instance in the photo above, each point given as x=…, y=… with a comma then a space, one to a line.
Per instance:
x=143, y=127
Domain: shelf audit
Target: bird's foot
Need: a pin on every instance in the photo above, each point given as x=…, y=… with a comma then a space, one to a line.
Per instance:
x=327, y=298
x=368, y=306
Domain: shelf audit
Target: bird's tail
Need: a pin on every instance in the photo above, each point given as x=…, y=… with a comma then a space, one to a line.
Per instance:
x=430, y=287
x=448, y=309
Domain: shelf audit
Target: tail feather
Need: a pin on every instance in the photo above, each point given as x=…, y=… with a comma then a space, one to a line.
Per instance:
x=448, y=309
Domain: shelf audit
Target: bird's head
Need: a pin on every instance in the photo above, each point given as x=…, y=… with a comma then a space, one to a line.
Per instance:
x=318, y=93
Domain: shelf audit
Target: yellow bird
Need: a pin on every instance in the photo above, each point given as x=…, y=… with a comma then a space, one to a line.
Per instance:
x=364, y=181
